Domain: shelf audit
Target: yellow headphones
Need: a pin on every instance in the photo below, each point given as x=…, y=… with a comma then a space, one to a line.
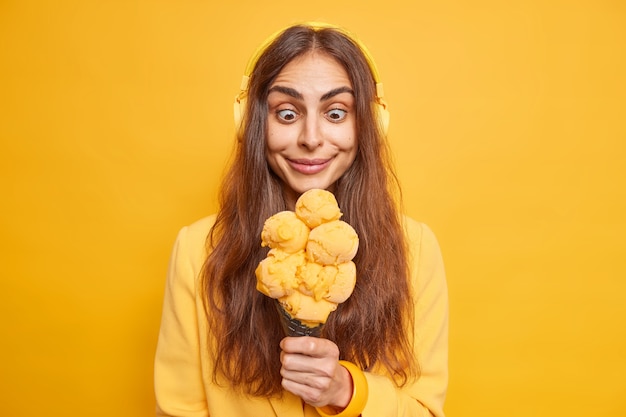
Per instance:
x=240, y=99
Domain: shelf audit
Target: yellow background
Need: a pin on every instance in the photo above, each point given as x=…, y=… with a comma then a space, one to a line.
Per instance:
x=508, y=125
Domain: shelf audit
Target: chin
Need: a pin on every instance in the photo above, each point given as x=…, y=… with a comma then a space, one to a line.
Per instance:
x=301, y=188
x=299, y=184
x=306, y=187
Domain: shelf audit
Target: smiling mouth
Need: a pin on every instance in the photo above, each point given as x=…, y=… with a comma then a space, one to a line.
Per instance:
x=309, y=166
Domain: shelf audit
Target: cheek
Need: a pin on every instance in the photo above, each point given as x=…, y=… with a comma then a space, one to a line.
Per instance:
x=272, y=142
x=352, y=148
x=348, y=141
x=278, y=138
x=274, y=146
x=352, y=155
x=348, y=135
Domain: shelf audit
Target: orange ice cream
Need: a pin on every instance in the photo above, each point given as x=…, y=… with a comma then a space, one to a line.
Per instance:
x=309, y=268
x=332, y=243
x=306, y=309
x=277, y=273
x=317, y=206
x=285, y=231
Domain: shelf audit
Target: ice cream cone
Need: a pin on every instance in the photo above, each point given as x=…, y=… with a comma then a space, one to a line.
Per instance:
x=294, y=327
x=309, y=269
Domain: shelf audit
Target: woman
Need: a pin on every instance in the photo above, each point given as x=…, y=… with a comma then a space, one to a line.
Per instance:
x=311, y=115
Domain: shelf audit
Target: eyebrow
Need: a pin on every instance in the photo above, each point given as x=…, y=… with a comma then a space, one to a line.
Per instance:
x=336, y=91
x=297, y=95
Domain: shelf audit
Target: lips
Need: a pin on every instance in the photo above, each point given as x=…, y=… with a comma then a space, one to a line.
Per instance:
x=309, y=166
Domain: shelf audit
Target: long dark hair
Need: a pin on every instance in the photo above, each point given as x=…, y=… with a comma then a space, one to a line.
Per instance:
x=373, y=328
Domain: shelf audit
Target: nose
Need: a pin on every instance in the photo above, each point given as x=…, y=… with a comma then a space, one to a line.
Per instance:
x=311, y=135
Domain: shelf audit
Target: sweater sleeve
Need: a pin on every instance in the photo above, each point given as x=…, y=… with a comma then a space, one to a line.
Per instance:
x=178, y=382
x=426, y=395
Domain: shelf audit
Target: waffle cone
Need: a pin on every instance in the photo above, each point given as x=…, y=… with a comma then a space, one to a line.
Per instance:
x=294, y=327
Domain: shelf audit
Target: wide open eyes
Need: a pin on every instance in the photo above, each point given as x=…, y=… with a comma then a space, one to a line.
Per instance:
x=336, y=115
x=287, y=115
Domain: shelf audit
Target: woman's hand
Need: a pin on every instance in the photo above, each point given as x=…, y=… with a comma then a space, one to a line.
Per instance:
x=311, y=370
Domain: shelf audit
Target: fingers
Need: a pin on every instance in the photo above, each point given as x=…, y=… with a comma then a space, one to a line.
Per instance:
x=306, y=369
x=310, y=346
x=309, y=378
x=311, y=370
x=316, y=396
x=308, y=357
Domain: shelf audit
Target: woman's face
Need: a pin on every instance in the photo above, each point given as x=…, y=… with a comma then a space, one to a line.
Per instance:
x=311, y=135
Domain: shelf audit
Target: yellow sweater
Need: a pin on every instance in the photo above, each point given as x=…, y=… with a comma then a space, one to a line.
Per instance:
x=183, y=369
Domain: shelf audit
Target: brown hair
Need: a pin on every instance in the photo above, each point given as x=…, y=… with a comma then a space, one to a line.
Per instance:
x=373, y=328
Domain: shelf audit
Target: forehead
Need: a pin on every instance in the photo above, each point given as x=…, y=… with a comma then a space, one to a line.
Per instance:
x=311, y=68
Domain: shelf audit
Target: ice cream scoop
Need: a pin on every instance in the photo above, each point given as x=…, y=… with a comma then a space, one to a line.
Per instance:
x=317, y=206
x=332, y=243
x=344, y=282
x=277, y=274
x=284, y=230
x=333, y=283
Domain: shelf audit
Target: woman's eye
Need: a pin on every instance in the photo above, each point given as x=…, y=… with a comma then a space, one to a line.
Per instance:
x=336, y=115
x=287, y=115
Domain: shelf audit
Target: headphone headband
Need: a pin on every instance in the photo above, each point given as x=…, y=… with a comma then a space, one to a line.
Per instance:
x=240, y=99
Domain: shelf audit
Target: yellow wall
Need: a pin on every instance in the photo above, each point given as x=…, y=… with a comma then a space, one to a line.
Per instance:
x=508, y=122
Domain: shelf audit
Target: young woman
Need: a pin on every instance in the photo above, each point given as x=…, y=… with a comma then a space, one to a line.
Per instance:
x=310, y=115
